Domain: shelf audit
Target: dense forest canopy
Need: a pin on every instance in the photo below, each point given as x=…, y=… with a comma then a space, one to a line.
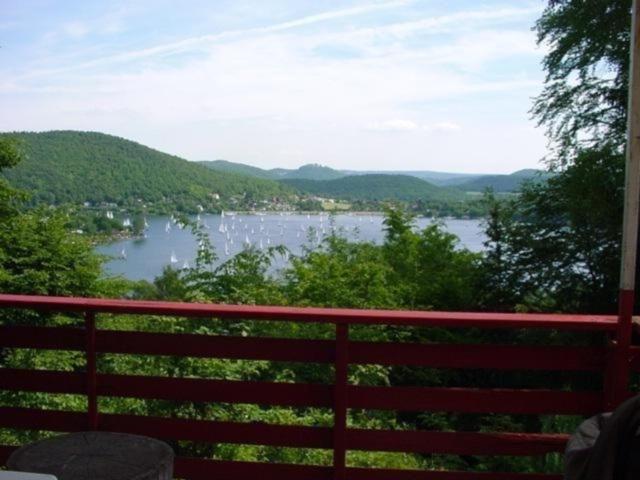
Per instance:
x=76, y=167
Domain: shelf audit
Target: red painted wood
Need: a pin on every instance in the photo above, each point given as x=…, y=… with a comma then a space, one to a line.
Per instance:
x=53, y=338
x=201, y=469
x=46, y=420
x=383, y=474
x=471, y=400
x=204, y=390
x=340, y=402
x=208, y=346
x=617, y=381
x=5, y=451
x=92, y=396
x=253, y=433
x=302, y=314
x=42, y=381
x=497, y=357
x=456, y=443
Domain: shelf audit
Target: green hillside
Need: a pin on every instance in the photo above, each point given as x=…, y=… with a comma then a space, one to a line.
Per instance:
x=76, y=167
x=311, y=171
x=374, y=187
x=503, y=183
x=233, y=167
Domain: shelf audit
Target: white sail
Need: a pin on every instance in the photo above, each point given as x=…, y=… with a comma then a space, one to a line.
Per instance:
x=246, y=240
x=167, y=227
x=221, y=228
x=123, y=254
x=226, y=249
x=261, y=246
x=185, y=265
x=174, y=259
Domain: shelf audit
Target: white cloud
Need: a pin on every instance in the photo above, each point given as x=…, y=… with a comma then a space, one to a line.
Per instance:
x=396, y=125
x=268, y=85
x=442, y=127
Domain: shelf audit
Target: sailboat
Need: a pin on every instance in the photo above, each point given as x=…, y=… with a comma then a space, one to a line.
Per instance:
x=167, y=227
x=260, y=245
x=221, y=227
x=185, y=265
x=174, y=259
x=146, y=224
x=226, y=249
x=123, y=254
x=246, y=240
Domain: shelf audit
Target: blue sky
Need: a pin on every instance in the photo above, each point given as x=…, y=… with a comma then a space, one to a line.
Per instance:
x=389, y=84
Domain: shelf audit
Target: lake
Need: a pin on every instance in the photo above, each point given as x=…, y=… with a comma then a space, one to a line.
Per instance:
x=167, y=244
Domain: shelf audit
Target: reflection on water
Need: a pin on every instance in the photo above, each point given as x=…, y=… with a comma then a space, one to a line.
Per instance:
x=167, y=244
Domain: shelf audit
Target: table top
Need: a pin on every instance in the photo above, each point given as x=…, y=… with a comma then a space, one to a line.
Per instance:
x=96, y=456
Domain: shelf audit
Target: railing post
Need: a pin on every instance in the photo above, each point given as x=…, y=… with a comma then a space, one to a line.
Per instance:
x=92, y=398
x=340, y=401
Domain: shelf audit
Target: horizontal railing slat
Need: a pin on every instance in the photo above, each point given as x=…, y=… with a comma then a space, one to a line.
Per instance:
x=455, y=443
x=475, y=400
x=463, y=400
x=210, y=346
x=201, y=469
x=500, y=357
x=47, y=381
x=458, y=443
x=605, y=323
x=225, y=391
x=497, y=357
x=52, y=338
x=384, y=474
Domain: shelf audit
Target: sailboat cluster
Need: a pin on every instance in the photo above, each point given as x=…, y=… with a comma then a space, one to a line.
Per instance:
x=239, y=231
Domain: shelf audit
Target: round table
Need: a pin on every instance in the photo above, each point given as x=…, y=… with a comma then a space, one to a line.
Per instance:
x=96, y=456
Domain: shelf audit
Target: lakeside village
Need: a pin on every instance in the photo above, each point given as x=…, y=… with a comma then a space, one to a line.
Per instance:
x=109, y=221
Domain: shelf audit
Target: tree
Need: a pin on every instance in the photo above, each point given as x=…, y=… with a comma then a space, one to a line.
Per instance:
x=584, y=100
x=10, y=155
x=561, y=242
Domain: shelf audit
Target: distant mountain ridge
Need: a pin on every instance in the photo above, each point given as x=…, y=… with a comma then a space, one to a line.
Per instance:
x=467, y=182
x=503, y=183
x=374, y=187
x=311, y=171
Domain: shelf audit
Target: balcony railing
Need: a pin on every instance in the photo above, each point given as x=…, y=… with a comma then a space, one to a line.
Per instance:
x=612, y=360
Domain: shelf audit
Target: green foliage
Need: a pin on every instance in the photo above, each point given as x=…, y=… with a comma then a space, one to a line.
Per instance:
x=310, y=171
x=584, y=101
x=39, y=255
x=77, y=167
x=559, y=248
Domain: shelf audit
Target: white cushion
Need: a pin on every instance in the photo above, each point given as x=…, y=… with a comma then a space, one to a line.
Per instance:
x=10, y=475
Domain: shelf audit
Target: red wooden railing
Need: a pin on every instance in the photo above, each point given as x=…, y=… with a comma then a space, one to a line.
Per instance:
x=340, y=396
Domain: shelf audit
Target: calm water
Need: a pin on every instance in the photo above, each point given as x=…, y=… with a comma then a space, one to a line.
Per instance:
x=145, y=258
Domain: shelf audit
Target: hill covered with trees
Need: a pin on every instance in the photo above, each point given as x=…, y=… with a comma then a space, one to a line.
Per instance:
x=504, y=183
x=375, y=187
x=311, y=171
x=76, y=167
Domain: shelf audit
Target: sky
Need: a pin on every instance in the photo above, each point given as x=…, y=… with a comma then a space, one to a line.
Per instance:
x=442, y=85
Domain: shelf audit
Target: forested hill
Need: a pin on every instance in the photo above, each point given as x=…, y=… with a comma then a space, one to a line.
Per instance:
x=374, y=187
x=76, y=167
x=503, y=183
x=311, y=171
